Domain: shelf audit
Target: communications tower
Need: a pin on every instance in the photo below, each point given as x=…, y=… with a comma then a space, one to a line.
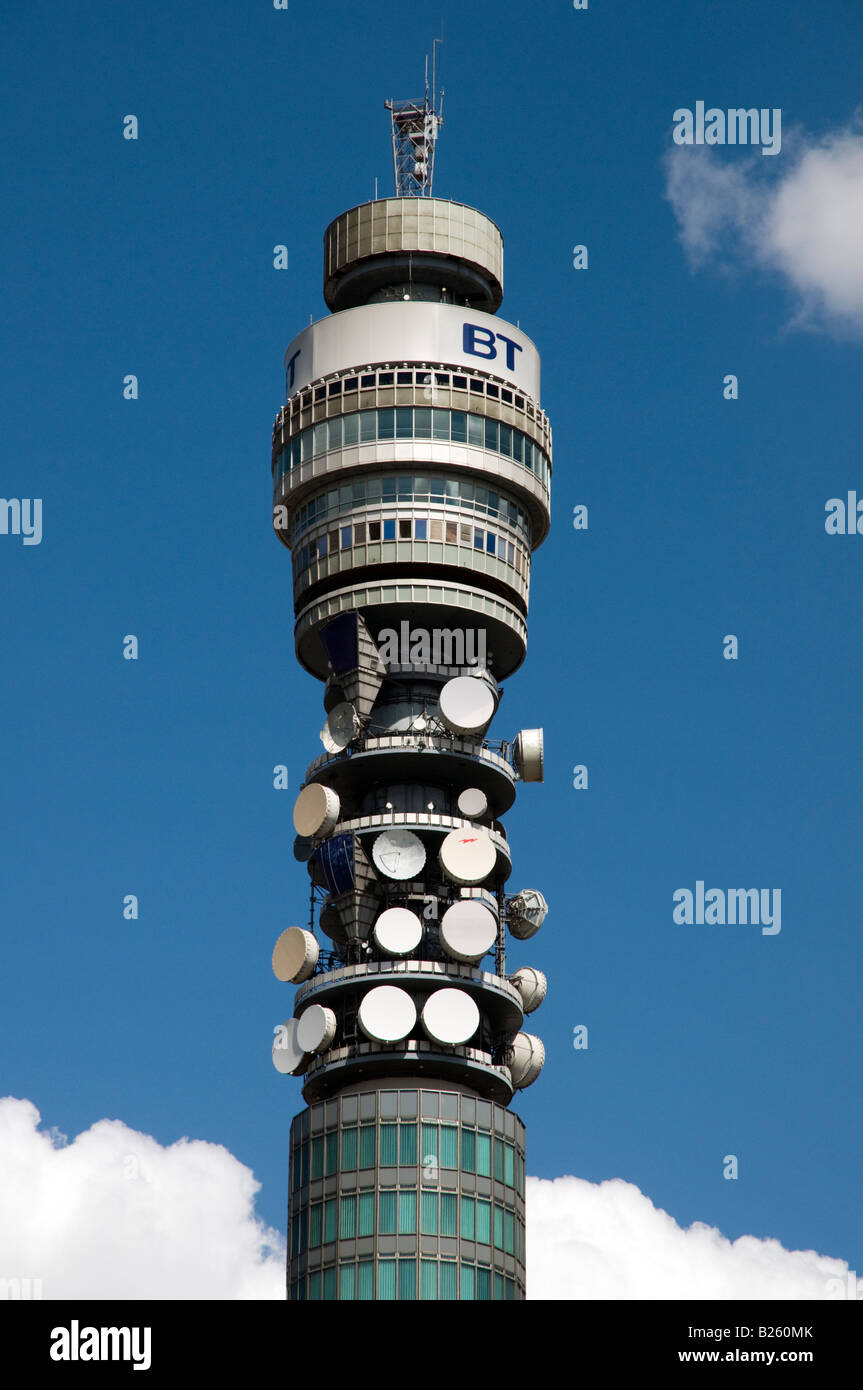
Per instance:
x=411, y=468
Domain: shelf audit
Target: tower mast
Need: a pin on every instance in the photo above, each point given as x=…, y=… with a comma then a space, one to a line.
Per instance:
x=411, y=472
x=415, y=127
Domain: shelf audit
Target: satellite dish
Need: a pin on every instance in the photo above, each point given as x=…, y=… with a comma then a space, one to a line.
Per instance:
x=398, y=931
x=483, y=895
x=333, y=693
x=288, y=1056
x=387, y=1013
x=316, y=811
x=527, y=755
x=295, y=955
x=473, y=803
x=316, y=1029
x=450, y=1016
x=330, y=922
x=343, y=725
x=328, y=741
x=468, y=930
x=399, y=853
x=467, y=705
x=526, y=913
x=467, y=856
x=528, y=1059
x=531, y=985
x=303, y=849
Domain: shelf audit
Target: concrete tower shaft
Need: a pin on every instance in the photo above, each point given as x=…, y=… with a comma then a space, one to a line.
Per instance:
x=412, y=467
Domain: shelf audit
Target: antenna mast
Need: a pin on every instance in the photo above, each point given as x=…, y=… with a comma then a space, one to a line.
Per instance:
x=415, y=126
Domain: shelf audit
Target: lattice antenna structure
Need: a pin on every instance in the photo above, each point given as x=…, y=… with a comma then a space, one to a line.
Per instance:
x=415, y=127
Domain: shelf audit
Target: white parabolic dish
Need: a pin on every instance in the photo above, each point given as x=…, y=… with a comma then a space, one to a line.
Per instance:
x=342, y=725
x=527, y=912
x=288, y=1056
x=295, y=955
x=531, y=985
x=387, y=1013
x=468, y=856
x=450, y=1016
x=528, y=756
x=316, y=811
x=483, y=895
x=398, y=931
x=468, y=930
x=466, y=705
x=473, y=803
x=528, y=1059
x=399, y=853
x=316, y=1028
x=328, y=741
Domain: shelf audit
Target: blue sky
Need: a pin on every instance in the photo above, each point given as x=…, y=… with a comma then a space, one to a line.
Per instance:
x=706, y=517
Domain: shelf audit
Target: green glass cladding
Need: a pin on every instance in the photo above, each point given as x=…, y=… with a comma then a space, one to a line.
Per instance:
x=414, y=423
x=406, y=1194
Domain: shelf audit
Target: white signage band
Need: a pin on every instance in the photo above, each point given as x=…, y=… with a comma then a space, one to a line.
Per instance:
x=413, y=332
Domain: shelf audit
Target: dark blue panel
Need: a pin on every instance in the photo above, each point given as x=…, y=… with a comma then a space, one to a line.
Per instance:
x=336, y=858
x=340, y=642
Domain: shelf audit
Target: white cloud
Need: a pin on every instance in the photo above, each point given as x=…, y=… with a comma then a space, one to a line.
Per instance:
x=608, y=1241
x=114, y=1214
x=714, y=203
x=801, y=217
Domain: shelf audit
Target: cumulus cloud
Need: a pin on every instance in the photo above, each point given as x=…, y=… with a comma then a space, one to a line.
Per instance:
x=608, y=1241
x=799, y=215
x=114, y=1214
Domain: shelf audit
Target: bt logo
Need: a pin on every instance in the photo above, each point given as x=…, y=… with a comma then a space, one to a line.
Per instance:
x=290, y=368
x=480, y=342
